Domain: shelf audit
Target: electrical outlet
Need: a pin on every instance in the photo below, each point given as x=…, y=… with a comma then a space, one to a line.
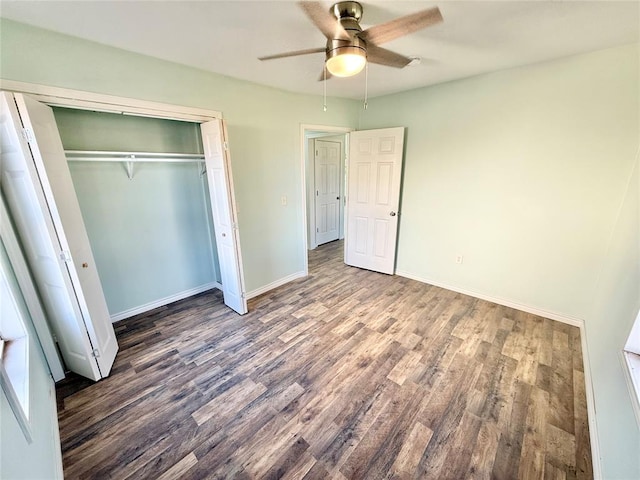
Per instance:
x=459, y=258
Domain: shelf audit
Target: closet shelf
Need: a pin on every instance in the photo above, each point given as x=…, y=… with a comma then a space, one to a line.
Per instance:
x=129, y=158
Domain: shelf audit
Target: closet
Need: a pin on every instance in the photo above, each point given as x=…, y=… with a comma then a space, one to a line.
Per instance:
x=110, y=207
x=143, y=192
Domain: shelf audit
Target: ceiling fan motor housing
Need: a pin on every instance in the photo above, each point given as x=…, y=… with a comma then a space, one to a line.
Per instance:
x=337, y=47
x=347, y=10
x=349, y=15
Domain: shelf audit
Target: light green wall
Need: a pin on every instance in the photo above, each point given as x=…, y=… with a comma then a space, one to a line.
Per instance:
x=41, y=458
x=263, y=123
x=524, y=172
x=151, y=236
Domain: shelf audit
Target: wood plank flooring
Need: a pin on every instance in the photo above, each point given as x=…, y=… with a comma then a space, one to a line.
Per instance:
x=344, y=374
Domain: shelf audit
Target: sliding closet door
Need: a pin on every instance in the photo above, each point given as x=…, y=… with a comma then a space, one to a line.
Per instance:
x=224, y=217
x=37, y=184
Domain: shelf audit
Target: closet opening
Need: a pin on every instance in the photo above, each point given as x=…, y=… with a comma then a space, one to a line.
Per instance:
x=146, y=186
x=142, y=189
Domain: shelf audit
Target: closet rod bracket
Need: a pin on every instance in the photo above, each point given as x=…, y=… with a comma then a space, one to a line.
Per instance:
x=128, y=166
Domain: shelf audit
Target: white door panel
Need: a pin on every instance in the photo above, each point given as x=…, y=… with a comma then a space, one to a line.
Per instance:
x=55, y=178
x=54, y=284
x=373, y=197
x=327, y=182
x=30, y=211
x=224, y=215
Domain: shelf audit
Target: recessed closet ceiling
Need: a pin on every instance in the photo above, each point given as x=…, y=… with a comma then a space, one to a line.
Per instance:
x=226, y=37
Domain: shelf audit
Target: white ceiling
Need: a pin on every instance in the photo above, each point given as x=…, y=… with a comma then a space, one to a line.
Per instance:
x=227, y=36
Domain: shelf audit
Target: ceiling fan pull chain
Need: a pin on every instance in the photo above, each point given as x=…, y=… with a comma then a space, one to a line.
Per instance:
x=366, y=85
x=324, y=87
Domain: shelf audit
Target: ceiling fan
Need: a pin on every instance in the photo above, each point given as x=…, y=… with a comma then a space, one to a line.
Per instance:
x=349, y=47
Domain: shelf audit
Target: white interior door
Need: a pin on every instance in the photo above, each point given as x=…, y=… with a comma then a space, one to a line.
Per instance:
x=225, y=222
x=373, y=198
x=327, y=183
x=38, y=188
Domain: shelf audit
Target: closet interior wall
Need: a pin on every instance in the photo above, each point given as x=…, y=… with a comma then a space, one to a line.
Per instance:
x=151, y=235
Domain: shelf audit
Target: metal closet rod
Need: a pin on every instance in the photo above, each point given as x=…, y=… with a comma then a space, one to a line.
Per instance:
x=103, y=156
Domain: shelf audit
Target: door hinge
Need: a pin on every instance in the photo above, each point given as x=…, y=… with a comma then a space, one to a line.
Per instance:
x=225, y=145
x=95, y=353
x=317, y=230
x=27, y=134
x=317, y=193
x=65, y=256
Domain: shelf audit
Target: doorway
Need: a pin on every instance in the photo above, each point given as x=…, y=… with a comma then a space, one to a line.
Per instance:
x=324, y=212
x=327, y=199
x=372, y=212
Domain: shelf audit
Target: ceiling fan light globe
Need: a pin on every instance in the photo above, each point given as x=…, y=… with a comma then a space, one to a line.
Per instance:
x=346, y=64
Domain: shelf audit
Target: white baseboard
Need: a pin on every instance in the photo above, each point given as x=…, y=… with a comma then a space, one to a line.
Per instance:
x=55, y=433
x=591, y=408
x=573, y=321
x=576, y=322
x=164, y=301
x=276, y=284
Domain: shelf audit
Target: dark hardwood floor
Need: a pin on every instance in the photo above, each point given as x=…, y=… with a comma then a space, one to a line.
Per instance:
x=344, y=374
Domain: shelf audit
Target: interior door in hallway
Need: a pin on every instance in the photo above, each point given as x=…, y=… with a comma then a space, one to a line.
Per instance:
x=373, y=198
x=327, y=183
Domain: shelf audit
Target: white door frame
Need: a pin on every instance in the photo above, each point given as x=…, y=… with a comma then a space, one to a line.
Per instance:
x=307, y=131
x=66, y=97
x=81, y=100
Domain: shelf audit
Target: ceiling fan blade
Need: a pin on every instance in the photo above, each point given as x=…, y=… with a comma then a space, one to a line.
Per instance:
x=325, y=75
x=382, y=56
x=322, y=19
x=385, y=32
x=294, y=54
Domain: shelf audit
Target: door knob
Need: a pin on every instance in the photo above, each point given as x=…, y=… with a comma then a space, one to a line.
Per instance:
x=393, y=214
x=337, y=198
